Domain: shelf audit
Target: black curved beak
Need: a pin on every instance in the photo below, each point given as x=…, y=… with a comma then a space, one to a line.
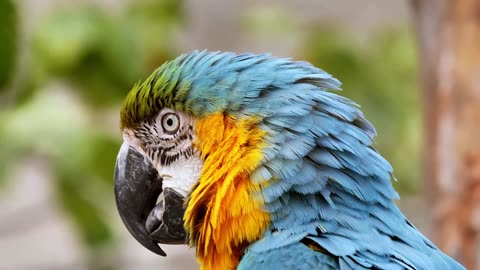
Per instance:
x=137, y=189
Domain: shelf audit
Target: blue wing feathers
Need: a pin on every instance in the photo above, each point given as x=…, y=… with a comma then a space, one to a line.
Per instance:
x=340, y=194
x=306, y=175
x=322, y=179
x=294, y=256
x=297, y=148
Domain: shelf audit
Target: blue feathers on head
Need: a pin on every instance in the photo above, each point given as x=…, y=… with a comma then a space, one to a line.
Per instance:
x=324, y=182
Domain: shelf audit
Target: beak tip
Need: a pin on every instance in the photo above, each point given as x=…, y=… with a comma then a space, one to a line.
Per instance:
x=155, y=248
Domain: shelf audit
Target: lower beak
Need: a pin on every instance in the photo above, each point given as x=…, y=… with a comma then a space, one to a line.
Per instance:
x=137, y=189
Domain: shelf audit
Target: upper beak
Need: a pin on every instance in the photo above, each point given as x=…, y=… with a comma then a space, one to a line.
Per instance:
x=137, y=189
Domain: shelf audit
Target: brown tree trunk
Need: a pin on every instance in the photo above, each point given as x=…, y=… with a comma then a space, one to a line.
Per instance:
x=448, y=33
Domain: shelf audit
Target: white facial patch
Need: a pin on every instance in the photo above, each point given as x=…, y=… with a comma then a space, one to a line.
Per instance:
x=182, y=174
x=167, y=141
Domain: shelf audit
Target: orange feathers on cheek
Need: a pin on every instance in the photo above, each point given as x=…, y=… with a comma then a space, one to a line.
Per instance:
x=223, y=214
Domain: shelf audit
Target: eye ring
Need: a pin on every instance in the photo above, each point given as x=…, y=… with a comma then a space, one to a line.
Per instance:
x=170, y=123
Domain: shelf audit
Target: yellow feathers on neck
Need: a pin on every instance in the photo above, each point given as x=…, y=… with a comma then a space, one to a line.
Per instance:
x=224, y=212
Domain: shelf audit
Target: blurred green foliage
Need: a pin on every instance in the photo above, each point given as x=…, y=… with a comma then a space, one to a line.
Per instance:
x=270, y=21
x=83, y=60
x=380, y=75
x=101, y=54
x=8, y=40
x=8, y=43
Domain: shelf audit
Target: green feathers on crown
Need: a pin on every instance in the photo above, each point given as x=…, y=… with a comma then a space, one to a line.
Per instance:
x=202, y=83
x=163, y=88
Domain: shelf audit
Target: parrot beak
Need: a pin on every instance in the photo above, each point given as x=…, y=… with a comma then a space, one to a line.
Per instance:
x=137, y=189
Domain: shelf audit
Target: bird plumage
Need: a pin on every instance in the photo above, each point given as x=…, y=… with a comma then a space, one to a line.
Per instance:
x=290, y=177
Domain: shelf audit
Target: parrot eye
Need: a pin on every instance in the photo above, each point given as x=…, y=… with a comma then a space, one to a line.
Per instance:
x=170, y=123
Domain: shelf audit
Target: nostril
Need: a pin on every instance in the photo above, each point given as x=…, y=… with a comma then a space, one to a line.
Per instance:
x=155, y=217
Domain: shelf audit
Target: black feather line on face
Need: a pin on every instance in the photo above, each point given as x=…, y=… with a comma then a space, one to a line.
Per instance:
x=165, y=150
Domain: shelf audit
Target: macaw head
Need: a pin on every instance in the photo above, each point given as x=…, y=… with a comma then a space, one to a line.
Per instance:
x=209, y=139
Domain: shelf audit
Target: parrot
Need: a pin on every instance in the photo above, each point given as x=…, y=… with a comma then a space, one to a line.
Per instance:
x=257, y=162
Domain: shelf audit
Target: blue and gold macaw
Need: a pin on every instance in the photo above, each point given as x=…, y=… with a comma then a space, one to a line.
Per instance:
x=257, y=165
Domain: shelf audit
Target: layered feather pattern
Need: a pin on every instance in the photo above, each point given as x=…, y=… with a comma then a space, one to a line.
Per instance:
x=327, y=190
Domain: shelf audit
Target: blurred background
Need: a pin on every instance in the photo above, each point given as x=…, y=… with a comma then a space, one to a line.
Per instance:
x=67, y=65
